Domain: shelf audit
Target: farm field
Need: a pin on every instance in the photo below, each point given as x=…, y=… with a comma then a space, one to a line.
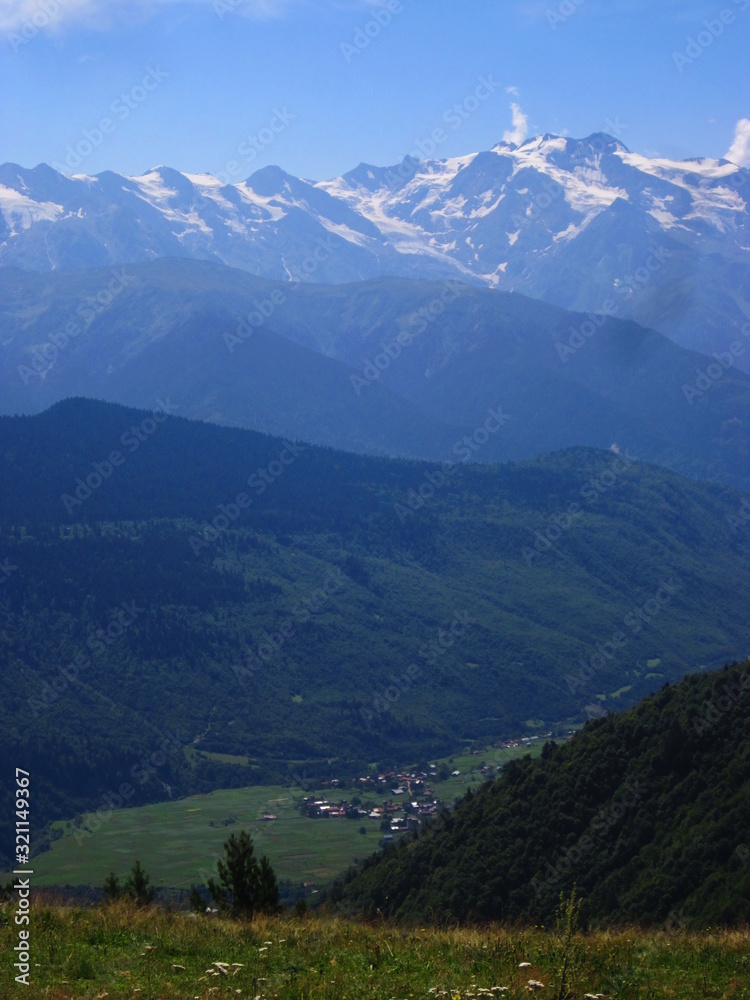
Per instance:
x=178, y=842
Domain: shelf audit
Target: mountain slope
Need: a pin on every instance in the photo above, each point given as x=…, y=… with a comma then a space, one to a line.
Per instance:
x=568, y=221
x=645, y=813
x=394, y=367
x=164, y=333
x=312, y=610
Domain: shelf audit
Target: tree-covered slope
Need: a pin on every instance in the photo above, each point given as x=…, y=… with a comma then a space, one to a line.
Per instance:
x=645, y=813
x=310, y=610
x=397, y=367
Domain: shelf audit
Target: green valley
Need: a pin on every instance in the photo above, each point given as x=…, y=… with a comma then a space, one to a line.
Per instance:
x=358, y=609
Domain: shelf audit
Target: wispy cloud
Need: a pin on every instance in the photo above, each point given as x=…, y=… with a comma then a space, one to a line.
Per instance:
x=54, y=15
x=512, y=90
x=739, y=151
x=667, y=12
x=520, y=129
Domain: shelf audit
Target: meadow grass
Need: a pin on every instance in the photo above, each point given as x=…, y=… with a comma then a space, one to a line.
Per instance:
x=118, y=951
x=178, y=845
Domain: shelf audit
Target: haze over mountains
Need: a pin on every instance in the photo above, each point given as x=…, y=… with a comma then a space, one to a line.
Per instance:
x=566, y=308
x=309, y=611
x=389, y=366
x=578, y=223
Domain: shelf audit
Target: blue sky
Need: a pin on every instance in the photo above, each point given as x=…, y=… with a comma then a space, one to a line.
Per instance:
x=317, y=86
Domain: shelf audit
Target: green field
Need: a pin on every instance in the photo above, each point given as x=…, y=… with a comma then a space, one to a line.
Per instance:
x=117, y=951
x=178, y=845
x=178, y=842
x=470, y=762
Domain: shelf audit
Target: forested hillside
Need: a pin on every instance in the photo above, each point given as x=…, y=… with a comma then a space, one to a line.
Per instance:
x=306, y=611
x=645, y=814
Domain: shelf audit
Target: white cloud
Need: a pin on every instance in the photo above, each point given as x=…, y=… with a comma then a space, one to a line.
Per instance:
x=36, y=15
x=739, y=151
x=53, y=15
x=520, y=129
x=512, y=90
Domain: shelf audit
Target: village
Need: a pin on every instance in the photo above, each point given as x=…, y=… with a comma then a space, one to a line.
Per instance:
x=400, y=801
x=404, y=801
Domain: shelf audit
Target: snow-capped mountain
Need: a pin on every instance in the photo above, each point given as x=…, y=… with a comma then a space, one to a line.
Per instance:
x=584, y=224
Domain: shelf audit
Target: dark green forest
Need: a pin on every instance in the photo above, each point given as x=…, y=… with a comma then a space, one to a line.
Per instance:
x=168, y=584
x=644, y=813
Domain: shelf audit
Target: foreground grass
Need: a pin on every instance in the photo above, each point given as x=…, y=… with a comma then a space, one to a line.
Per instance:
x=118, y=951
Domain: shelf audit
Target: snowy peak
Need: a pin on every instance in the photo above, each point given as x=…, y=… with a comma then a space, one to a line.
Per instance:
x=568, y=220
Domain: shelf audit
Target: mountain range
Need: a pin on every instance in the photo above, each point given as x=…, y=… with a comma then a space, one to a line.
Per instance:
x=583, y=224
x=388, y=366
x=305, y=475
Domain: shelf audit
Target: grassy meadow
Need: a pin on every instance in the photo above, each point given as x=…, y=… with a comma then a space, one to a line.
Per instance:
x=178, y=842
x=118, y=951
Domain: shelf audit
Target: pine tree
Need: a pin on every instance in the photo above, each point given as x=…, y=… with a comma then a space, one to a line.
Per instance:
x=243, y=886
x=138, y=886
x=112, y=888
x=268, y=887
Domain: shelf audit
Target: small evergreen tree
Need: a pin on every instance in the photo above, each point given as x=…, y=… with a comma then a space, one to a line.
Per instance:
x=138, y=886
x=244, y=886
x=268, y=887
x=112, y=888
